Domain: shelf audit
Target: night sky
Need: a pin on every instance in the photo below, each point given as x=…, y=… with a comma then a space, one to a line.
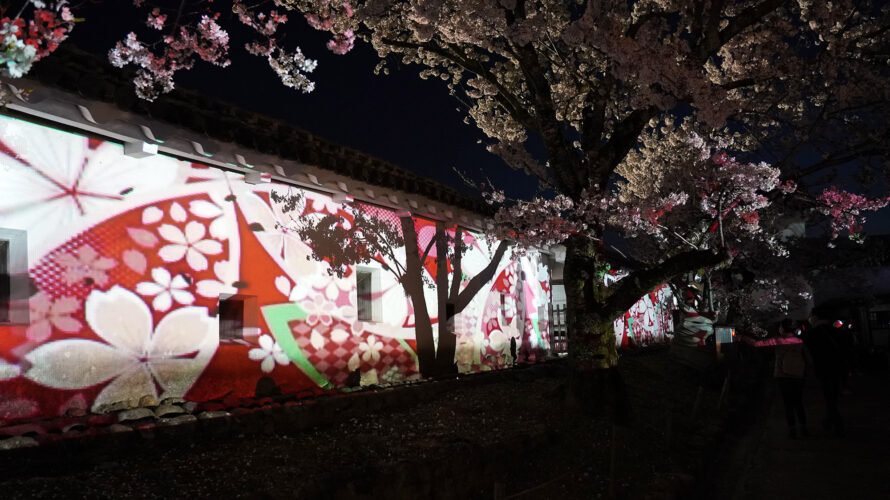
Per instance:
x=398, y=117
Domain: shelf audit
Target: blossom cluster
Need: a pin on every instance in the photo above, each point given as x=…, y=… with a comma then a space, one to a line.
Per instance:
x=292, y=68
x=543, y=222
x=26, y=41
x=334, y=17
x=198, y=36
x=845, y=210
x=205, y=40
x=540, y=222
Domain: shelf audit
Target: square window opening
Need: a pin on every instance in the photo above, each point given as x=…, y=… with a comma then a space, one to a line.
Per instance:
x=15, y=285
x=367, y=289
x=237, y=316
x=5, y=282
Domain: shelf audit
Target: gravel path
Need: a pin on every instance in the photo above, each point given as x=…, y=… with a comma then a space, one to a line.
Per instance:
x=514, y=437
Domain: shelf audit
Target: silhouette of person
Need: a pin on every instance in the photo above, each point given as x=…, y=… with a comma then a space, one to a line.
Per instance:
x=830, y=364
x=789, y=371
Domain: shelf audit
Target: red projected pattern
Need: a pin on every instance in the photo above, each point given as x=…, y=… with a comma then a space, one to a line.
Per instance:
x=130, y=259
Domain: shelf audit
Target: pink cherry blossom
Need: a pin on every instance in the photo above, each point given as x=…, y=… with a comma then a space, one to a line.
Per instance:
x=845, y=209
x=47, y=313
x=87, y=265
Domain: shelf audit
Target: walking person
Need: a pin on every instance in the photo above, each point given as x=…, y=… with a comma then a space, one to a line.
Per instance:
x=830, y=363
x=789, y=371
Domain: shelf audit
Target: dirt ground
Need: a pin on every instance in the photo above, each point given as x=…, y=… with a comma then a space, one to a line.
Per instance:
x=514, y=437
x=822, y=465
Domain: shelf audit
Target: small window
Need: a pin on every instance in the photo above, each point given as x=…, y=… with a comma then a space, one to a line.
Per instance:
x=237, y=316
x=364, y=289
x=15, y=286
x=5, y=282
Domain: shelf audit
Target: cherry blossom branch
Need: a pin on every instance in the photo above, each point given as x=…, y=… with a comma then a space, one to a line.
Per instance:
x=23, y=42
x=845, y=210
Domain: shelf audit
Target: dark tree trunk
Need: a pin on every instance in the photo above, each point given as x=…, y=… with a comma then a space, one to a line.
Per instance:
x=596, y=383
x=414, y=286
x=447, y=338
x=591, y=335
x=451, y=300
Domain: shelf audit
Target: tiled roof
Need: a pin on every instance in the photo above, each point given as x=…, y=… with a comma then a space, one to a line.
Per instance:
x=92, y=77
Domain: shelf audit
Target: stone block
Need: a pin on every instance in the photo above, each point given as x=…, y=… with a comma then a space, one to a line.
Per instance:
x=135, y=414
x=18, y=442
x=168, y=410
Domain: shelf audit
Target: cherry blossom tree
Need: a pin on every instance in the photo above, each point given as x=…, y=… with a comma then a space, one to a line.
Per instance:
x=799, y=83
x=369, y=237
x=613, y=89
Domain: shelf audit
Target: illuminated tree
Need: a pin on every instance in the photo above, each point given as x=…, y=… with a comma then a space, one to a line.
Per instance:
x=802, y=84
x=610, y=88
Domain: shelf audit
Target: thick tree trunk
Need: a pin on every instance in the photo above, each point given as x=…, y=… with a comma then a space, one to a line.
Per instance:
x=426, y=347
x=414, y=287
x=445, y=364
x=591, y=335
x=596, y=383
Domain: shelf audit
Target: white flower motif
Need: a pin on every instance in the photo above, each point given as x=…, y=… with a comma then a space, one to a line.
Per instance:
x=190, y=245
x=354, y=362
x=300, y=291
x=87, y=265
x=282, y=284
x=177, y=213
x=152, y=215
x=226, y=274
x=54, y=179
x=317, y=340
x=371, y=349
x=334, y=286
x=269, y=353
x=340, y=335
x=318, y=310
x=207, y=210
x=349, y=314
x=499, y=340
x=138, y=358
x=296, y=293
x=275, y=236
x=46, y=313
x=165, y=289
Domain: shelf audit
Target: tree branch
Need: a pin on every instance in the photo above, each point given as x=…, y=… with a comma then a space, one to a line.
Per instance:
x=594, y=116
x=564, y=167
x=629, y=290
x=475, y=284
x=456, y=265
x=745, y=19
x=429, y=246
x=645, y=18
x=624, y=137
x=505, y=98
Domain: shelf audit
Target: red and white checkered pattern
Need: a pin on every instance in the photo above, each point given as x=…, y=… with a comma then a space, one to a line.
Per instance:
x=332, y=360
